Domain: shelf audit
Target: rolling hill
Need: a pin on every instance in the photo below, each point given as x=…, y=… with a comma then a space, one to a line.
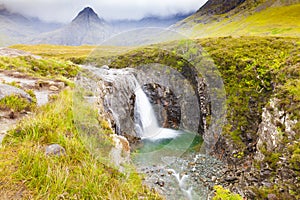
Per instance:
x=243, y=17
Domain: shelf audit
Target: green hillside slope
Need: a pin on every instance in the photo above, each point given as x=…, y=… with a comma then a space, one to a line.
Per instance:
x=283, y=21
x=262, y=19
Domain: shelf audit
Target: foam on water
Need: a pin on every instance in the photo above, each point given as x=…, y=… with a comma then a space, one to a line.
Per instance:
x=146, y=122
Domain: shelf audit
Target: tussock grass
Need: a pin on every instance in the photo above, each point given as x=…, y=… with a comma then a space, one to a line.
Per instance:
x=16, y=103
x=78, y=175
x=49, y=68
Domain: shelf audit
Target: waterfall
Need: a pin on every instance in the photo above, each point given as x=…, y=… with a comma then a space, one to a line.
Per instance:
x=120, y=83
x=145, y=120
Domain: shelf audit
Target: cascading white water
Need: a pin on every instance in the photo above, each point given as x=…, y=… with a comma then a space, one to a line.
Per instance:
x=160, y=146
x=145, y=119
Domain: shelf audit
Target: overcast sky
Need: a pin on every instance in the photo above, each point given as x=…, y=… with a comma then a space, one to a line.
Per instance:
x=66, y=10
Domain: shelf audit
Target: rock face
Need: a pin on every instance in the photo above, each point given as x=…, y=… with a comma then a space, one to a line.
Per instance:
x=165, y=104
x=182, y=91
x=120, y=153
x=219, y=7
x=87, y=16
x=270, y=152
x=270, y=133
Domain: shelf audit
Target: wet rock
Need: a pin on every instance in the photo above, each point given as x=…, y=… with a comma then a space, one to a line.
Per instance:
x=55, y=149
x=167, y=107
x=179, y=177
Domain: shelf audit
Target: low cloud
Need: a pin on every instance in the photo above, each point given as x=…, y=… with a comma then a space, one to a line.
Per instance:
x=66, y=10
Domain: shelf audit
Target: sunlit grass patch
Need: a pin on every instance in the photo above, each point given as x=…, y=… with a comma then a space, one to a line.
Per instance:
x=16, y=103
x=275, y=21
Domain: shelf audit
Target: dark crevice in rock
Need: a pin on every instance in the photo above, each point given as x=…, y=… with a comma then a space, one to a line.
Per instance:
x=165, y=104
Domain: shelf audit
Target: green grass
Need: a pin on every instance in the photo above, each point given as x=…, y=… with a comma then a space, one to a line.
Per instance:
x=56, y=51
x=77, y=55
x=77, y=175
x=16, y=103
x=250, y=68
x=276, y=21
x=223, y=194
x=47, y=68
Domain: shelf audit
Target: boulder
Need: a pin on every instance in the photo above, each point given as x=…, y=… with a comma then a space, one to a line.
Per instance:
x=55, y=150
x=8, y=90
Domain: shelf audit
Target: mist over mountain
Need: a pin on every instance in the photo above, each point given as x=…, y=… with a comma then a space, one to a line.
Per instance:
x=63, y=11
x=86, y=28
x=15, y=28
x=150, y=21
x=214, y=18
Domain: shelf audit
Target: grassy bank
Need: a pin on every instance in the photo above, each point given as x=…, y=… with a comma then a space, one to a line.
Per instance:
x=28, y=173
x=46, y=68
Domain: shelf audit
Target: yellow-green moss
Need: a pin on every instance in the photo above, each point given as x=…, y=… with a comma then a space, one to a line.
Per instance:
x=223, y=194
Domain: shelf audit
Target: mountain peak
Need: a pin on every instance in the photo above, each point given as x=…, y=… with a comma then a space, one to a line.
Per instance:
x=219, y=6
x=4, y=10
x=88, y=10
x=87, y=15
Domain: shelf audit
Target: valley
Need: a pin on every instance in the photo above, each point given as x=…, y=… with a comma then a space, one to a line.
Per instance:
x=202, y=106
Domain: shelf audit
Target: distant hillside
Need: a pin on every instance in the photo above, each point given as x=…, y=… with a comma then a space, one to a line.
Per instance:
x=86, y=28
x=15, y=27
x=244, y=17
x=151, y=21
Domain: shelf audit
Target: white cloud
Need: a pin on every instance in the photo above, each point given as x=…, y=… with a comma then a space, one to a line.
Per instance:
x=66, y=10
